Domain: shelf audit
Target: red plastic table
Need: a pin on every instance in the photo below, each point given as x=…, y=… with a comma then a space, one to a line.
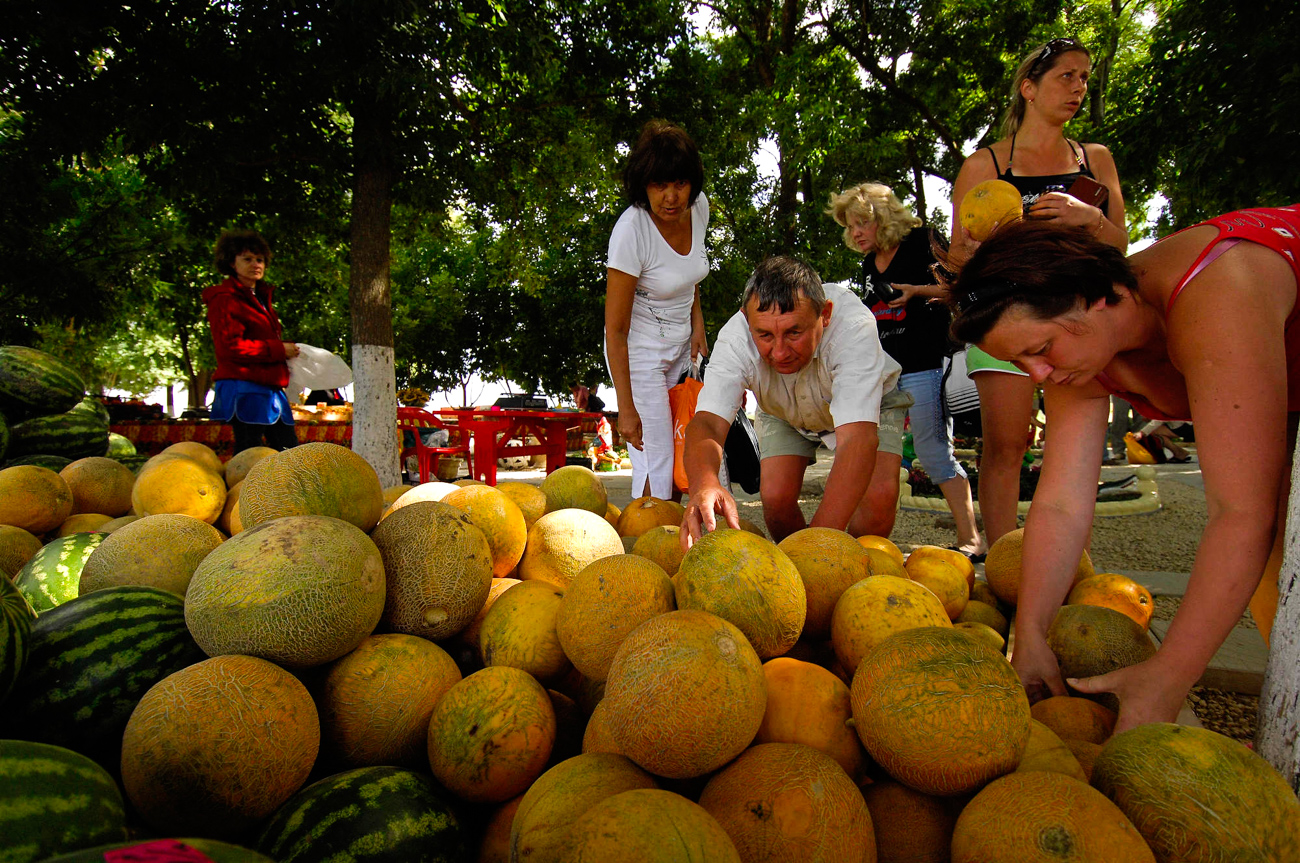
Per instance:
x=492, y=429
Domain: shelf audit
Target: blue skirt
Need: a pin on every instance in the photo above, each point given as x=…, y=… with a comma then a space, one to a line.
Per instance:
x=250, y=403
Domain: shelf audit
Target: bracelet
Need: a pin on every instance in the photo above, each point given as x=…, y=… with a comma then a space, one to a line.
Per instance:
x=1101, y=221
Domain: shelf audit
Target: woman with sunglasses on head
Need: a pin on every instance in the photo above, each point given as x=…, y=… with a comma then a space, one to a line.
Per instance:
x=1202, y=326
x=1036, y=157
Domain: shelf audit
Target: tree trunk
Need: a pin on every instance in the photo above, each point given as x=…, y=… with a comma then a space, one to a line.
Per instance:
x=1277, y=737
x=374, y=409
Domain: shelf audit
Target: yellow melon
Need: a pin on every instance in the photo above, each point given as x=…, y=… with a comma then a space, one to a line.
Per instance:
x=958, y=560
x=422, y=493
x=312, y=479
x=911, y=826
x=984, y=632
x=491, y=734
x=809, y=705
x=376, y=701
x=939, y=710
x=119, y=522
x=748, y=581
x=645, y=513
x=874, y=609
x=828, y=561
x=883, y=563
x=499, y=518
x=981, y=592
x=1085, y=753
x=242, y=462
x=1089, y=640
x=1046, y=751
x=649, y=825
x=988, y=205
x=541, y=832
x=575, y=487
x=562, y=543
x=17, y=546
x=1002, y=566
x=180, y=485
x=184, y=770
x=495, y=847
x=469, y=635
x=1041, y=817
x=468, y=481
x=519, y=631
x=981, y=612
x=1112, y=590
x=881, y=543
x=612, y=514
x=749, y=527
x=300, y=591
x=1076, y=718
x=786, y=801
x=663, y=545
x=199, y=452
x=229, y=520
x=570, y=723
x=99, y=485
x=33, y=498
x=943, y=579
x=685, y=694
x=391, y=494
x=530, y=499
x=161, y=551
x=438, y=568
x=607, y=600
x=83, y=522
x=599, y=737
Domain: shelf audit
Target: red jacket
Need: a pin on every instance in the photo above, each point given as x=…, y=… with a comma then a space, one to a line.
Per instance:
x=246, y=334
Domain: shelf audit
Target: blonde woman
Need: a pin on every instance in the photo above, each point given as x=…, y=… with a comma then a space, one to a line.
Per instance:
x=896, y=283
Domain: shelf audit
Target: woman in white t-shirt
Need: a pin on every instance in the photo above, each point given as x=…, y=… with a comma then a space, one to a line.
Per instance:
x=654, y=326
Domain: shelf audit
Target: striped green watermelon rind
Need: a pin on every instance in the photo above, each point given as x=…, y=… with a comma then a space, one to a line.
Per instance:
x=75, y=434
x=94, y=407
x=54, y=800
x=16, y=616
x=119, y=446
x=55, y=463
x=92, y=659
x=170, y=850
x=4, y=437
x=33, y=383
x=53, y=575
x=367, y=815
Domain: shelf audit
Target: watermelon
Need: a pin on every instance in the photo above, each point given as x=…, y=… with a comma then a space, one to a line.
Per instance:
x=54, y=800
x=73, y=435
x=55, y=463
x=92, y=660
x=16, y=617
x=93, y=406
x=166, y=851
x=119, y=447
x=4, y=437
x=378, y=814
x=53, y=575
x=33, y=384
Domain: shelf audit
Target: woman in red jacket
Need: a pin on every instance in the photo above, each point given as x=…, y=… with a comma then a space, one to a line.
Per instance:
x=251, y=359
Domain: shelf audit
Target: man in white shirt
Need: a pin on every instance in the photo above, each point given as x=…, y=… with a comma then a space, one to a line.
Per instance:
x=811, y=356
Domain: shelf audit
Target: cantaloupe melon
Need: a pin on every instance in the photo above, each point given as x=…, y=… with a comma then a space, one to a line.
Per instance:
x=423, y=493
x=199, y=452
x=828, y=561
x=645, y=513
x=911, y=826
x=575, y=487
x=82, y=522
x=180, y=485
x=607, y=600
x=469, y=635
x=881, y=562
x=943, y=579
x=184, y=770
x=1076, y=718
x=1089, y=640
x=983, y=632
x=119, y=522
x=662, y=545
x=499, y=518
x=312, y=479
x=242, y=462
x=988, y=205
x=650, y=826
x=519, y=631
x=1112, y=590
x=598, y=736
x=99, y=485
x=981, y=612
x=562, y=543
x=961, y=562
x=809, y=705
x=1046, y=751
x=33, y=498
x=1085, y=753
x=229, y=520
x=300, y=591
x=17, y=546
x=1002, y=566
x=884, y=544
x=530, y=499
x=156, y=551
x=874, y=609
x=495, y=847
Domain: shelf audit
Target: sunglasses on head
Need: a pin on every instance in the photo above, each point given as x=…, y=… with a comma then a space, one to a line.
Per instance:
x=1053, y=47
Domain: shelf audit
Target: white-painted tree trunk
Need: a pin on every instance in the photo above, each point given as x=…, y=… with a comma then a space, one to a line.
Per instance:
x=1277, y=737
x=374, y=407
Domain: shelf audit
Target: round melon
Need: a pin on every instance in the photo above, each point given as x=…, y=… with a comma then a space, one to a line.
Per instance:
x=562, y=543
x=83, y=522
x=987, y=206
x=645, y=513
x=519, y=631
x=663, y=545
x=99, y=484
x=242, y=462
x=1197, y=795
x=541, y=832
x=598, y=736
x=607, y=600
x=491, y=735
x=495, y=847
x=300, y=591
x=881, y=543
x=981, y=612
x=312, y=479
x=1046, y=751
x=874, y=609
x=119, y=522
x=391, y=494
x=611, y=515
x=1116, y=591
x=438, y=567
x=685, y=694
x=748, y=581
x=156, y=551
x=650, y=826
x=499, y=518
x=943, y=579
x=175, y=484
x=1076, y=718
x=828, y=561
x=789, y=802
x=575, y=487
x=952, y=556
x=883, y=563
x=985, y=633
x=34, y=498
x=1085, y=753
x=1089, y=640
x=1040, y=817
x=376, y=701
x=199, y=452
x=809, y=705
x=217, y=747
x=530, y=499
x=469, y=635
x=17, y=546
x=911, y=826
x=1002, y=566
x=229, y=520
x=425, y=492
x=940, y=711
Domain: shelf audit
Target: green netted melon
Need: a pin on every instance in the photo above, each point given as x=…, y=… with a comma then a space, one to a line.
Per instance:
x=312, y=479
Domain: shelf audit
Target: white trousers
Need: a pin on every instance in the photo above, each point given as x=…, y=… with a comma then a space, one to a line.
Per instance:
x=654, y=366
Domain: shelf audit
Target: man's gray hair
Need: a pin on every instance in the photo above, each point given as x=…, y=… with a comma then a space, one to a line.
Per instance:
x=780, y=281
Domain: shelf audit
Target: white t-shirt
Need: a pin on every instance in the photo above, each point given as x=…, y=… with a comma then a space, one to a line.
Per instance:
x=665, y=280
x=844, y=381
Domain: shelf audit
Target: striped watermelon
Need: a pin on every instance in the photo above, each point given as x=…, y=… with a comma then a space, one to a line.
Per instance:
x=53, y=800
x=380, y=814
x=166, y=851
x=33, y=383
x=75, y=434
x=55, y=463
x=92, y=660
x=4, y=437
x=53, y=575
x=93, y=406
x=119, y=446
x=16, y=617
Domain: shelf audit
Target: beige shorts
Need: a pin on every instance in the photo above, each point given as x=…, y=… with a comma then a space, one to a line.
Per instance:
x=778, y=437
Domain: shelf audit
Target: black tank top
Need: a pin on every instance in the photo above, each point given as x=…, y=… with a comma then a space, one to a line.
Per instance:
x=1031, y=188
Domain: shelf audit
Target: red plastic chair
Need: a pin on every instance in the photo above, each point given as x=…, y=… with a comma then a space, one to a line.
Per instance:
x=416, y=419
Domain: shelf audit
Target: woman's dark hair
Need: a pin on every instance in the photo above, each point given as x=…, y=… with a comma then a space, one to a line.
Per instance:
x=231, y=244
x=1049, y=269
x=664, y=153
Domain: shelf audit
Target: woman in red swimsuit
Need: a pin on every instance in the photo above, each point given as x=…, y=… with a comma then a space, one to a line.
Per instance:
x=1203, y=325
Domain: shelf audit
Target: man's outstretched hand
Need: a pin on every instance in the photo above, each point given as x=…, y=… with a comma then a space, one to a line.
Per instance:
x=702, y=512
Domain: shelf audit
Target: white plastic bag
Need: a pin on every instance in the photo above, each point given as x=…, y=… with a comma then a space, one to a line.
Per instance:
x=317, y=369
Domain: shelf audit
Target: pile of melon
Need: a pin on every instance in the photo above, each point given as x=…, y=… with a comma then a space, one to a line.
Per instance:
x=277, y=659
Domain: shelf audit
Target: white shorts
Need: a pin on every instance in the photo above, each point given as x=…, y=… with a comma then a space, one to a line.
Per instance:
x=654, y=367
